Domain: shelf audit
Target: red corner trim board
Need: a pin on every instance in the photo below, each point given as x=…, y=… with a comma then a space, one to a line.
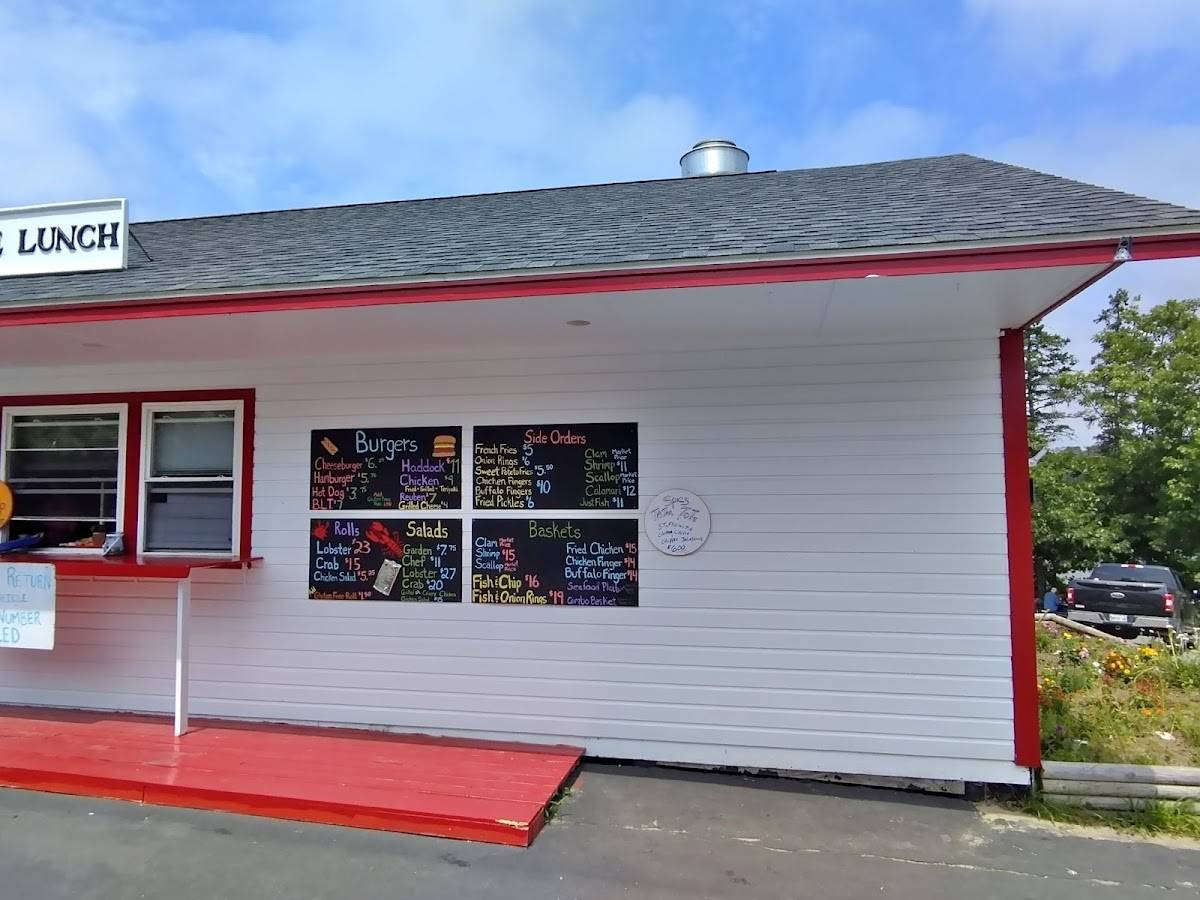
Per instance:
x=1019, y=515
x=927, y=262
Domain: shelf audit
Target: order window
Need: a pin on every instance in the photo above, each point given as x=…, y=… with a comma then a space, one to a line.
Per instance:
x=190, y=488
x=65, y=467
x=71, y=486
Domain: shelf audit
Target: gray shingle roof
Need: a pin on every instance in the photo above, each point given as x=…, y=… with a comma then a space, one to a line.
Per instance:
x=906, y=203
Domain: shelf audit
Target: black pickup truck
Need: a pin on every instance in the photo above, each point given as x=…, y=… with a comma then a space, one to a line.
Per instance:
x=1128, y=599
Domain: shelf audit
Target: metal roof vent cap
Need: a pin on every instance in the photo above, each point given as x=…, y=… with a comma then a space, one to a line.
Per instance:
x=714, y=157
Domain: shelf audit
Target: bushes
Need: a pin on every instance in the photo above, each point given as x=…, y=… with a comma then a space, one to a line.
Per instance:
x=1101, y=703
x=1182, y=671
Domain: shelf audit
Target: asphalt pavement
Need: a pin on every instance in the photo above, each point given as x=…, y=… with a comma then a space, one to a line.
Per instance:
x=623, y=832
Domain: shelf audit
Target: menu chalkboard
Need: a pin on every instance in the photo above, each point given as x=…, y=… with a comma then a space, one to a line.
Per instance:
x=385, y=559
x=556, y=466
x=386, y=468
x=555, y=562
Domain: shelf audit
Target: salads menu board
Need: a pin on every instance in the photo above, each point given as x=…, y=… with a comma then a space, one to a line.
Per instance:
x=555, y=562
x=385, y=559
x=556, y=466
x=386, y=468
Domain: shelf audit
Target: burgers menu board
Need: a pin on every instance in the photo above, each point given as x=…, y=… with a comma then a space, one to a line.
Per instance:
x=555, y=562
x=386, y=468
x=385, y=559
x=556, y=466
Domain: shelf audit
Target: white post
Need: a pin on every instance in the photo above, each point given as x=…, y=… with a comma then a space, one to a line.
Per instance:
x=182, y=616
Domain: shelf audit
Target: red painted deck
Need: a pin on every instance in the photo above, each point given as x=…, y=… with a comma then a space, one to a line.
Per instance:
x=472, y=790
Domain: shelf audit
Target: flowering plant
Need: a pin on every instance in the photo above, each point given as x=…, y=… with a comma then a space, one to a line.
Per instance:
x=1117, y=664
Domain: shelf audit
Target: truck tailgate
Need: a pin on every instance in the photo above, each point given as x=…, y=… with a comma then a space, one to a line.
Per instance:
x=1129, y=597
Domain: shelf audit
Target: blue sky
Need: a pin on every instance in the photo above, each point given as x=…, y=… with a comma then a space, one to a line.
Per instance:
x=194, y=108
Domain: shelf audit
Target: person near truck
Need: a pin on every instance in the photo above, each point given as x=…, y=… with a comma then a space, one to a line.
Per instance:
x=1050, y=601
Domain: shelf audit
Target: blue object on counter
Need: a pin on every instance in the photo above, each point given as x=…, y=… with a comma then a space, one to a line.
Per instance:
x=21, y=543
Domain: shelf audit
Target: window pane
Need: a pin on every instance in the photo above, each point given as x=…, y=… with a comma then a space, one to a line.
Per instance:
x=63, y=470
x=67, y=431
x=59, y=464
x=186, y=516
x=192, y=443
x=93, y=501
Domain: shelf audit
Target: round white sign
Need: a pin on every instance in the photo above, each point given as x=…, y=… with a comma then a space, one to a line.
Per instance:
x=677, y=522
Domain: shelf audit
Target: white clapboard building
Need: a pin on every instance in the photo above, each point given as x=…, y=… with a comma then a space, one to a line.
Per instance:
x=805, y=388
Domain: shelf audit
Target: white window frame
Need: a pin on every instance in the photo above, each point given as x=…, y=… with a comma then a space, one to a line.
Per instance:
x=145, y=479
x=122, y=411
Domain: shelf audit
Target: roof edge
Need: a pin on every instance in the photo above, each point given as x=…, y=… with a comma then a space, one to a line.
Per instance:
x=1092, y=252
x=647, y=268
x=562, y=187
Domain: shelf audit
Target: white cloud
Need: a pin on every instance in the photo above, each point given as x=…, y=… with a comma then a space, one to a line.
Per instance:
x=877, y=131
x=1151, y=159
x=340, y=102
x=337, y=102
x=364, y=101
x=1097, y=37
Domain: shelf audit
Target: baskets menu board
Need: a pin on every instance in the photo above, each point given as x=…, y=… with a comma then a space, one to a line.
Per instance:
x=555, y=562
x=386, y=468
x=385, y=559
x=556, y=466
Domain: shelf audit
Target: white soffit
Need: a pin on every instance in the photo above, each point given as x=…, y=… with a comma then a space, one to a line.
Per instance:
x=898, y=308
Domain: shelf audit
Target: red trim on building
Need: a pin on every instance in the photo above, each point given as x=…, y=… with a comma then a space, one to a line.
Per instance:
x=135, y=400
x=133, y=472
x=1175, y=246
x=1019, y=515
x=247, y=496
x=930, y=262
x=129, y=566
x=1103, y=273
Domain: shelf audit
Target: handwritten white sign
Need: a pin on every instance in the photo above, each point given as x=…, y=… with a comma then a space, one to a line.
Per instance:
x=27, y=598
x=677, y=522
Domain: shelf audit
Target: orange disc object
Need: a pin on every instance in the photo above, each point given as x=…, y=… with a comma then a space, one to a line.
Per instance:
x=6, y=504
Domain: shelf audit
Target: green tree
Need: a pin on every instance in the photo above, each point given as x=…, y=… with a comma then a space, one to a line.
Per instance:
x=1112, y=407
x=1050, y=386
x=1143, y=396
x=1071, y=532
x=1066, y=532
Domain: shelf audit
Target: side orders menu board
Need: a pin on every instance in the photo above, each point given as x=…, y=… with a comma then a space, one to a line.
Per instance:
x=386, y=468
x=555, y=562
x=578, y=466
x=385, y=559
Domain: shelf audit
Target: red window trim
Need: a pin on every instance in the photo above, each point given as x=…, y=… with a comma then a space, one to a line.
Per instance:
x=1018, y=508
x=135, y=400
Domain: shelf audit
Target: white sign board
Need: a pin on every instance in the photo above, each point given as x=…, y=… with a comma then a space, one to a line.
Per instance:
x=27, y=595
x=88, y=236
x=677, y=522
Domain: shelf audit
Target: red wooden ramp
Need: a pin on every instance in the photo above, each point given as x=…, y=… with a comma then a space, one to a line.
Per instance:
x=472, y=790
